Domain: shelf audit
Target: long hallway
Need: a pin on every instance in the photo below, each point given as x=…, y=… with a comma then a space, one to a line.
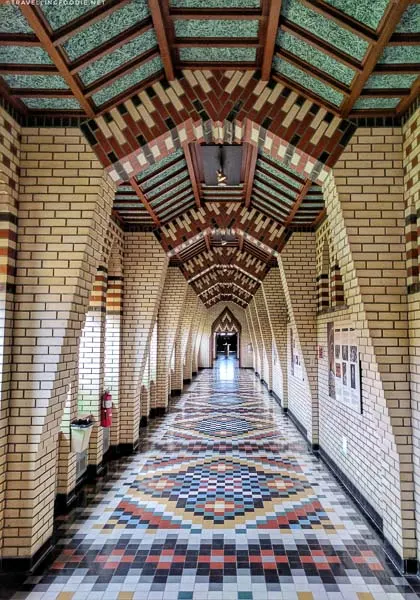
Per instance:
x=222, y=502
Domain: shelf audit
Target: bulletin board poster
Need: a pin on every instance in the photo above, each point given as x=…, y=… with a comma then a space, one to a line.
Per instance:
x=296, y=363
x=343, y=356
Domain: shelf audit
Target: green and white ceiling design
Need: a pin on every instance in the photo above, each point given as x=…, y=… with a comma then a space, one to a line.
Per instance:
x=321, y=49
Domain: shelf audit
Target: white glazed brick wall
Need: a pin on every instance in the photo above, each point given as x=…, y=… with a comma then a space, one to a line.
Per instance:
x=297, y=264
x=170, y=309
x=277, y=318
x=145, y=267
x=64, y=208
x=266, y=336
x=365, y=206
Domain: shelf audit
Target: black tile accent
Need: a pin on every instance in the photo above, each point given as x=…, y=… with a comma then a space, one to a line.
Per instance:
x=107, y=117
x=141, y=140
x=369, y=511
x=176, y=392
x=169, y=123
x=122, y=109
x=143, y=422
x=112, y=157
x=29, y=564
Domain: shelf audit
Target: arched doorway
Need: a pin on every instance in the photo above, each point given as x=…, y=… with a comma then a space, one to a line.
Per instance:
x=225, y=339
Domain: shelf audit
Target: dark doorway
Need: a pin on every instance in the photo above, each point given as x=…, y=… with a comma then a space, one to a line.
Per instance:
x=227, y=342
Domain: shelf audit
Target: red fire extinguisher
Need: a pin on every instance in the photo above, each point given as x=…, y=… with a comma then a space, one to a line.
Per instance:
x=106, y=409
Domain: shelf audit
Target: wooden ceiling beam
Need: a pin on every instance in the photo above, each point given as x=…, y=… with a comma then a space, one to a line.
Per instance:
x=23, y=69
x=319, y=218
x=19, y=39
x=192, y=174
x=208, y=245
x=171, y=187
x=404, y=39
x=31, y=13
x=252, y=152
x=124, y=69
x=171, y=163
x=405, y=102
x=218, y=66
x=389, y=23
x=40, y=93
x=15, y=102
x=113, y=44
x=342, y=19
x=208, y=14
x=160, y=30
x=295, y=190
x=395, y=69
x=320, y=44
x=302, y=194
x=144, y=201
x=385, y=92
x=270, y=41
x=216, y=43
x=259, y=179
x=312, y=71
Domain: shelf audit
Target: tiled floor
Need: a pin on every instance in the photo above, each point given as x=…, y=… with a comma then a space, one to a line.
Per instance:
x=223, y=502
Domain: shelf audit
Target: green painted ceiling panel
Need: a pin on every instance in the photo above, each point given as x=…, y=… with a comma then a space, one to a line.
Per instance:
x=284, y=166
x=127, y=81
x=399, y=80
x=279, y=174
x=369, y=12
x=24, y=55
x=217, y=54
x=12, y=20
x=410, y=21
x=104, y=30
x=400, y=54
x=306, y=81
x=53, y=103
x=170, y=193
x=37, y=82
x=363, y=103
x=269, y=190
x=148, y=171
x=315, y=57
x=324, y=28
x=118, y=57
x=166, y=184
x=149, y=185
x=268, y=181
x=215, y=3
x=216, y=28
x=57, y=15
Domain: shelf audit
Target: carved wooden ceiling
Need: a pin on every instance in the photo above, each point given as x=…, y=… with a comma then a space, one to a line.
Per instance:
x=150, y=81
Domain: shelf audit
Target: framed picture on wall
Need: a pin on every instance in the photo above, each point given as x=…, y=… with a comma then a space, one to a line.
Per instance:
x=344, y=382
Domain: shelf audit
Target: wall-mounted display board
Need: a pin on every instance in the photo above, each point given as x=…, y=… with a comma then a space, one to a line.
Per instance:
x=344, y=364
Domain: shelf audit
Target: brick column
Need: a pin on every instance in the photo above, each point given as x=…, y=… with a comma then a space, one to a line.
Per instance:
x=189, y=313
x=266, y=336
x=145, y=265
x=297, y=263
x=91, y=364
x=365, y=206
x=259, y=348
x=277, y=318
x=64, y=207
x=255, y=354
x=9, y=185
x=113, y=349
x=197, y=331
x=171, y=307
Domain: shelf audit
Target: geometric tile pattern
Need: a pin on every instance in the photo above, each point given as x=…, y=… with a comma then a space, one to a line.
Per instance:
x=228, y=515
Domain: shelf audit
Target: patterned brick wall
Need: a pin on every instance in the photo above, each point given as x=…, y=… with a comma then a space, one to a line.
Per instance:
x=411, y=146
x=297, y=264
x=277, y=318
x=10, y=134
x=365, y=207
x=171, y=306
x=266, y=336
x=64, y=207
x=261, y=360
x=145, y=266
x=197, y=332
x=195, y=106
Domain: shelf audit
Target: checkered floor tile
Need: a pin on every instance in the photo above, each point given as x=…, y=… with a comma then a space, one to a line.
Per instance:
x=222, y=502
